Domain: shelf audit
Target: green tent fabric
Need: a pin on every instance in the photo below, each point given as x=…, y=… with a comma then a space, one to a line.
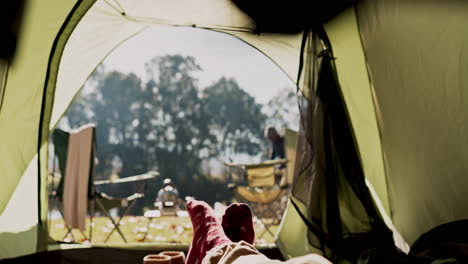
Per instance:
x=418, y=83
x=400, y=65
x=3, y=72
x=19, y=123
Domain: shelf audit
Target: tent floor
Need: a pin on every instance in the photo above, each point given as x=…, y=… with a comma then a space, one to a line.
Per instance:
x=104, y=255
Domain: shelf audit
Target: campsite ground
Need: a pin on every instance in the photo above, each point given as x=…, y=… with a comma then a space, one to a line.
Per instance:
x=165, y=229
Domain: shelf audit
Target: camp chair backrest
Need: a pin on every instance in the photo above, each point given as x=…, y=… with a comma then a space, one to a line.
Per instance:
x=290, y=138
x=261, y=176
x=61, y=139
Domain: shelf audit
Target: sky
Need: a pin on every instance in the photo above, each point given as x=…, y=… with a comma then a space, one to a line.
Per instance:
x=218, y=54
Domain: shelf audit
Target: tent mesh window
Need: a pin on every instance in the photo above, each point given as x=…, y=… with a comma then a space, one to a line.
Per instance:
x=329, y=181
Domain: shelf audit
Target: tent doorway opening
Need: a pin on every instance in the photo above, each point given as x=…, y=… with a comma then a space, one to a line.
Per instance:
x=182, y=102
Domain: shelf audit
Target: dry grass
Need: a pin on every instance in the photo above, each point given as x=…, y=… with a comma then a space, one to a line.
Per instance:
x=165, y=229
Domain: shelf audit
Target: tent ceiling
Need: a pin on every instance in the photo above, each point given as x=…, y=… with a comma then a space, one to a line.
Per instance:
x=104, y=27
x=416, y=57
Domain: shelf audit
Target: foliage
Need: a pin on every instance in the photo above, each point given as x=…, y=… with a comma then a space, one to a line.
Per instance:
x=165, y=229
x=167, y=123
x=236, y=117
x=282, y=110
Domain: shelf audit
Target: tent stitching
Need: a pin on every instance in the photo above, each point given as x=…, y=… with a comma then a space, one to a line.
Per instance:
x=166, y=22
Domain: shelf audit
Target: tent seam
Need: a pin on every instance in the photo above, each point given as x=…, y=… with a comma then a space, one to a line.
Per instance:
x=372, y=91
x=52, y=56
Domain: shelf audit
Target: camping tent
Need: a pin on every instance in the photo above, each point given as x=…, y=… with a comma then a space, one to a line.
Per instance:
x=401, y=71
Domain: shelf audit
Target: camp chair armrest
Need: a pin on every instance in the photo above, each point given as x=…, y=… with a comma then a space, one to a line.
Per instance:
x=128, y=198
x=106, y=196
x=135, y=178
x=135, y=196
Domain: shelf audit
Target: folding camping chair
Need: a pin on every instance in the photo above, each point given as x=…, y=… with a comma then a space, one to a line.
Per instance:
x=106, y=202
x=261, y=190
x=63, y=151
x=290, y=145
x=60, y=140
x=262, y=187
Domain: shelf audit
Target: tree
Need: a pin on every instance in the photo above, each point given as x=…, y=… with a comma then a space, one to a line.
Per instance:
x=180, y=127
x=168, y=124
x=236, y=118
x=109, y=106
x=283, y=110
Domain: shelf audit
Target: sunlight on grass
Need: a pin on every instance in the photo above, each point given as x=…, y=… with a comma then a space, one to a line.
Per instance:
x=165, y=229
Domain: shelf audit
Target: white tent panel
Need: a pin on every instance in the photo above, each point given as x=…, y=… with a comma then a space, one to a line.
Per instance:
x=103, y=28
x=201, y=13
x=284, y=50
x=98, y=32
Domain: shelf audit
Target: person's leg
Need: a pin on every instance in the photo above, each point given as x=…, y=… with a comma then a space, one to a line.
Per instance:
x=207, y=231
x=237, y=223
x=242, y=252
x=234, y=252
x=211, y=245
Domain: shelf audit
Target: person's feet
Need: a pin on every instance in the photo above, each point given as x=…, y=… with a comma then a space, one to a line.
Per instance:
x=237, y=223
x=207, y=231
